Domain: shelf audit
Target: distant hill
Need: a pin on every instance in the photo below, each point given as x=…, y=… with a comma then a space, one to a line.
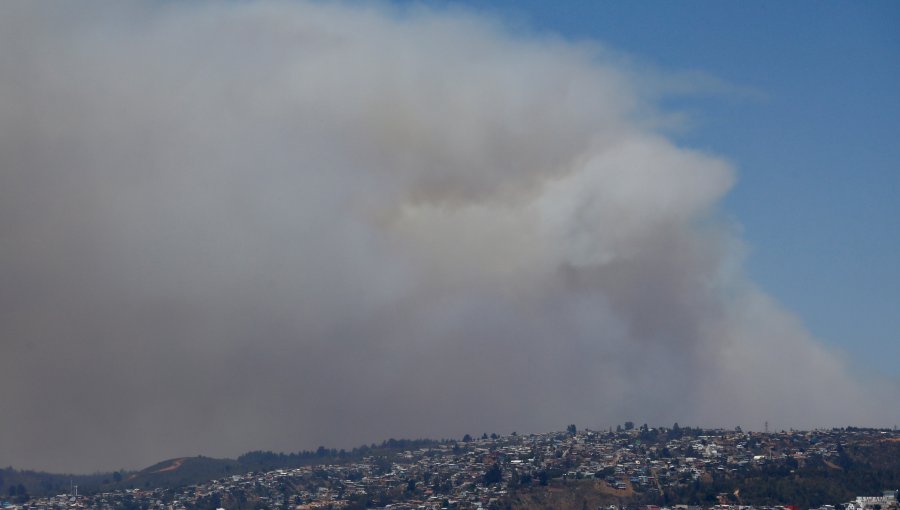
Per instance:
x=860, y=467
x=17, y=485
x=171, y=473
x=183, y=471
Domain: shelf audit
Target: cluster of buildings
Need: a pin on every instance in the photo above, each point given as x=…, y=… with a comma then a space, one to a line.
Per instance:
x=887, y=500
x=482, y=473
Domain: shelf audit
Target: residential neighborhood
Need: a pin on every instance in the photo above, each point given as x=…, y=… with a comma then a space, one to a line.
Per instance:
x=629, y=467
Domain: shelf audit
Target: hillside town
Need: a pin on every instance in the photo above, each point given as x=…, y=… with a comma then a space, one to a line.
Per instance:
x=630, y=467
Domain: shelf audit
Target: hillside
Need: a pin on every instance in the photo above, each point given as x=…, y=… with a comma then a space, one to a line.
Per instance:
x=860, y=468
x=575, y=494
x=585, y=469
x=14, y=484
x=178, y=472
x=182, y=471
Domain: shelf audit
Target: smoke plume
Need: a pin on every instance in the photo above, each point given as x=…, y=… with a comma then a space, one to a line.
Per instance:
x=271, y=225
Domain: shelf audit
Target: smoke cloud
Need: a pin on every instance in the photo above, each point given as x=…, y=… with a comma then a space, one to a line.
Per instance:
x=238, y=226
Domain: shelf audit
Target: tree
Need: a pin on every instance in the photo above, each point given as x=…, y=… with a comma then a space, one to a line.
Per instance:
x=571, y=429
x=21, y=494
x=629, y=425
x=513, y=479
x=467, y=438
x=493, y=475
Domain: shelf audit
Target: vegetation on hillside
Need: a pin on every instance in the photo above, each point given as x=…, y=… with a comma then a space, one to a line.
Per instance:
x=20, y=485
x=860, y=469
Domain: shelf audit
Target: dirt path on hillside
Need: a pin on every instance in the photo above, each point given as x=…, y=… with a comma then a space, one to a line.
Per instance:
x=171, y=467
x=832, y=465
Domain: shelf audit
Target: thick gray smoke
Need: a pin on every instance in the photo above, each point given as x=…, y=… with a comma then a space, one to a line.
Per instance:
x=278, y=225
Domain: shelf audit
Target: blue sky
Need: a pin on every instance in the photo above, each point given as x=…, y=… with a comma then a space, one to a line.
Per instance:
x=817, y=149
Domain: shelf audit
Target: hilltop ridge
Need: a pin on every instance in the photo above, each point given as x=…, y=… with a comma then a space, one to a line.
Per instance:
x=565, y=469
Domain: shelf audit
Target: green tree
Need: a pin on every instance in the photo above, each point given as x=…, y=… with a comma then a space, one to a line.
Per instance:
x=571, y=429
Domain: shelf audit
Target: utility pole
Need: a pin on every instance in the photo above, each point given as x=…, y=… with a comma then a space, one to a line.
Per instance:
x=767, y=427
